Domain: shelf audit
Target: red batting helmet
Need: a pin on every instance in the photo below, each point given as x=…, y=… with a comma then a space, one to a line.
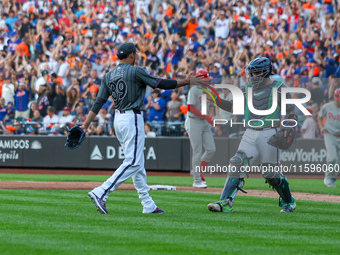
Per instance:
x=337, y=95
x=205, y=74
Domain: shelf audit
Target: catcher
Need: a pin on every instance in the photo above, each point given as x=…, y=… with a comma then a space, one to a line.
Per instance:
x=264, y=141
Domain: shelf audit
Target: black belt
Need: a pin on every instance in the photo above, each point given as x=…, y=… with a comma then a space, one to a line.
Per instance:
x=134, y=110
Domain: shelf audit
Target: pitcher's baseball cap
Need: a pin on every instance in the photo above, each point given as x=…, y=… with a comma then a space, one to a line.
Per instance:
x=126, y=48
x=337, y=95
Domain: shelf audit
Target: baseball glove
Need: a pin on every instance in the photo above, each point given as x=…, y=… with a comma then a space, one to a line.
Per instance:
x=281, y=141
x=75, y=137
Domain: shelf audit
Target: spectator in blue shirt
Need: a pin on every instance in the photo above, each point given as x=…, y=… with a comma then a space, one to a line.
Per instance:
x=157, y=110
x=3, y=109
x=217, y=77
x=21, y=99
x=194, y=43
x=11, y=19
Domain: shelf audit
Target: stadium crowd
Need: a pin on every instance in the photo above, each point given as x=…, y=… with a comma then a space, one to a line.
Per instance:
x=54, y=54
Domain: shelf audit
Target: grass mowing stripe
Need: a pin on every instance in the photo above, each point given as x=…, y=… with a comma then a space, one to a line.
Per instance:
x=297, y=185
x=66, y=222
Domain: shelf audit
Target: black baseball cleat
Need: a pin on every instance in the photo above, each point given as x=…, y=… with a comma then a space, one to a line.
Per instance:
x=99, y=203
x=158, y=210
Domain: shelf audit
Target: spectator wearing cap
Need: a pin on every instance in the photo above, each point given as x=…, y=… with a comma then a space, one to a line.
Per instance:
x=67, y=118
x=96, y=64
x=91, y=95
x=283, y=23
x=30, y=130
x=51, y=118
x=8, y=90
x=21, y=99
x=44, y=97
x=309, y=126
x=271, y=17
x=36, y=83
x=156, y=106
x=3, y=109
x=194, y=43
x=216, y=74
x=54, y=131
x=97, y=24
x=269, y=52
x=10, y=114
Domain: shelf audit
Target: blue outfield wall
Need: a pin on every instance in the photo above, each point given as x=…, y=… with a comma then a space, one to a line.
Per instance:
x=162, y=153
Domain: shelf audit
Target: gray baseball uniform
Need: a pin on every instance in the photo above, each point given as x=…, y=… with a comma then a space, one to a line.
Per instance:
x=199, y=131
x=127, y=84
x=332, y=136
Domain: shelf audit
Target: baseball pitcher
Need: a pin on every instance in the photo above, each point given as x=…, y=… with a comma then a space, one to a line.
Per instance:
x=258, y=139
x=126, y=84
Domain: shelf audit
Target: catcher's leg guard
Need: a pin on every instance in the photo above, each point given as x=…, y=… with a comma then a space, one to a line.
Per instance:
x=235, y=179
x=231, y=187
x=278, y=181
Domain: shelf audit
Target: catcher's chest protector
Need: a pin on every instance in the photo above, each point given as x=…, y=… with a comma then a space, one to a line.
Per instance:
x=262, y=99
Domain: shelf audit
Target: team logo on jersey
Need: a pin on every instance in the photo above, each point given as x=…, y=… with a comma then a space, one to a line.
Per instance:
x=259, y=93
x=118, y=90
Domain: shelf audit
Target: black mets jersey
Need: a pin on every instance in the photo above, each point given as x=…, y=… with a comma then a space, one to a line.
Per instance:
x=127, y=84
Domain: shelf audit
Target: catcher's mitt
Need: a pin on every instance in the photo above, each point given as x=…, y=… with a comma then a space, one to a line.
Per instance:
x=280, y=141
x=75, y=137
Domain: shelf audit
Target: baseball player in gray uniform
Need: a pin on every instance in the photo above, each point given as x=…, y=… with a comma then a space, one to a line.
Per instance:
x=254, y=141
x=331, y=132
x=126, y=84
x=199, y=127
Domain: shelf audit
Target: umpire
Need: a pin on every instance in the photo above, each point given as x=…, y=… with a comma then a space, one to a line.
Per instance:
x=126, y=84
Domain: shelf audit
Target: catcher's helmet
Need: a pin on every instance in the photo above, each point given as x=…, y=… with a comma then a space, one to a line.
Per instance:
x=262, y=67
x=205, y=74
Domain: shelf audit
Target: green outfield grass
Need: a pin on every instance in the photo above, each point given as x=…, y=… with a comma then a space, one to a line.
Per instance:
x=297, y=185
x=66, y=222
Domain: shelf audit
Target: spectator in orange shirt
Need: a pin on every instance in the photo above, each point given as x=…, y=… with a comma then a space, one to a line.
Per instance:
x=308, y=5
x=23, y=48
x=190, y=26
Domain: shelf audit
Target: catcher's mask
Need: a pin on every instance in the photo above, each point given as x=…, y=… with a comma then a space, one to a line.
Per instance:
x=257, y=70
